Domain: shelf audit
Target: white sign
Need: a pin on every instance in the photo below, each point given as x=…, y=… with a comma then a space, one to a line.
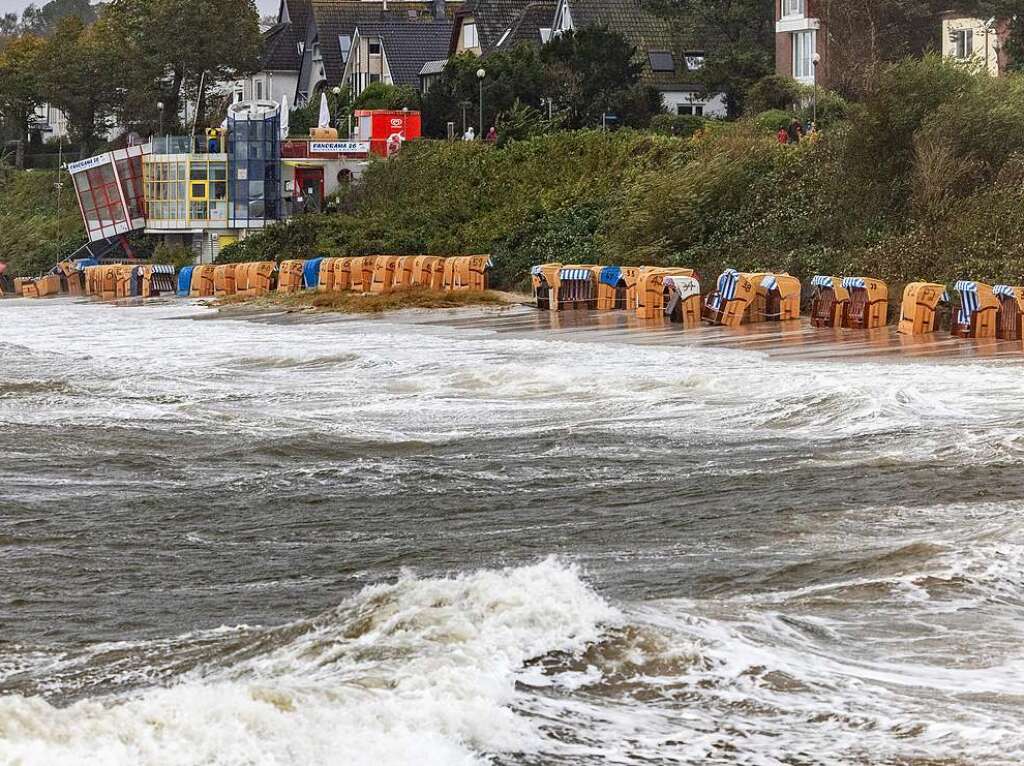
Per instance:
x=78, y=167
x=339, y=147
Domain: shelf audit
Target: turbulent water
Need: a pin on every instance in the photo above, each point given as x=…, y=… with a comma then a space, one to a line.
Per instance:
x=372, y=542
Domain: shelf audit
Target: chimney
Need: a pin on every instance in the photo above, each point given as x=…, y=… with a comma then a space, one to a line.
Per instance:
x=439, y=13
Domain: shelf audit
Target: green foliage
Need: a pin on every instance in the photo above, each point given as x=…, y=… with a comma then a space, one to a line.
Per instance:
x=32, y=239
x=380, y=95
x=293, y=239
x=518, y=123
x=174, y=255
x=682, y=125
x=774, y=93
x=773, y=120
x=301, y=119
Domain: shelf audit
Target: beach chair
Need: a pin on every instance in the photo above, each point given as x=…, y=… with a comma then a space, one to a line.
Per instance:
x=428, y=272
x=290, y=274
x=978, y=316
x=342, y=279
x=577, y=288
x=728, y=305
x=651, y=291
x=361, y=273
x=830, y=303
x=1010, y=324
x=778, y=298
x=869, y=303
x=467, y=272
x=311, y=273
x=682, y=300
x=383, y=279
x=545, y=280
x=919, y=311
x=224, y=279
x=202, y=281
x=404, y=272
x=616, y=288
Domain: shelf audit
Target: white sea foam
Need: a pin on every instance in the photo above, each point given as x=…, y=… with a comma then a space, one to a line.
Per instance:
x=421, y=671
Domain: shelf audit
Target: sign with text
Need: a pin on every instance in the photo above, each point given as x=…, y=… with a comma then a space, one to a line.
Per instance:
x=78, y=167
x=339, y=147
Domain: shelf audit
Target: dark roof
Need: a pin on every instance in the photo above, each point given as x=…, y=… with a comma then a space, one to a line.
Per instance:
x=341, y=17
x=532, y=19
x=493, y=18
x=648, y=31
x=281, y=41
x=409, y=43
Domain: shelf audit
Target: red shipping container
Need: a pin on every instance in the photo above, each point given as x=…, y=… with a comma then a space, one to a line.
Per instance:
x=387, y=130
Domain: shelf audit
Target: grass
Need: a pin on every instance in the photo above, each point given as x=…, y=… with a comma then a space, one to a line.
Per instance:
x=366, y=303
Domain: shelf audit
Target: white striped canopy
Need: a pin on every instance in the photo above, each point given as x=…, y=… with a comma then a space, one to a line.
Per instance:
x=851, y=283
x=821, y=280
x=968, y=300
x=726, y=289
x=571, y=274
x=1004, y=290
x=769, y=282
x=163, y=268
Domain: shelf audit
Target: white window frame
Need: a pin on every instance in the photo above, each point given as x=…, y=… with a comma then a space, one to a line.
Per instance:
x=805, y=43
x=470, y=36
x=963, y=44
x=794, y=9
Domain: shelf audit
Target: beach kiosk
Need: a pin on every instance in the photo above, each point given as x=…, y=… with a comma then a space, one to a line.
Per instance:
x=1010, y=325
x=979, y=310
x=830, y=303
x=919, y=312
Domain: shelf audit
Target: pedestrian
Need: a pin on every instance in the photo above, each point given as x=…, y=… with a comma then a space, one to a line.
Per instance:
x=795, y=132
x=492, y=135
x=783, y=135
x=469, y=135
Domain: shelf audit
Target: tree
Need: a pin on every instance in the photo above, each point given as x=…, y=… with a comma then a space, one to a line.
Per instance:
x=43, y=21
x=511, y=76
x=595, y=72
x=170, y=46
x=380, y=95
x=739, y=38
x=20, y=91
x=75, y=74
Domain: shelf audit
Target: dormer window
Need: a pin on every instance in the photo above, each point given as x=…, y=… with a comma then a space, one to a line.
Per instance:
x=469, y=36
x=345, y=46
x=964, y=39
x=694, y=60
x=794, y=8
x=373, y=48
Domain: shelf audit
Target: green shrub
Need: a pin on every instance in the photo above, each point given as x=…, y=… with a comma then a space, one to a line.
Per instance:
x=682, y=125
x=774, y=92
x=174, y=255
x=773, y=120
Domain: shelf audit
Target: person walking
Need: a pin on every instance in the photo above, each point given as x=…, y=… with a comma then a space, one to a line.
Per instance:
x=469, y=135
x=492, y=136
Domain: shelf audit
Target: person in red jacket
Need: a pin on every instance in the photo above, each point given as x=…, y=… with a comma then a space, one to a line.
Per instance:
x=783, y=136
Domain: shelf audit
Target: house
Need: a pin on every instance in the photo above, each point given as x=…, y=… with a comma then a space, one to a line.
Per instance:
x=281, y=60
x=394, y=51
x=969, y=39
x=801, y=42
x=484, y=26
x=332, y=26
x=673, y=72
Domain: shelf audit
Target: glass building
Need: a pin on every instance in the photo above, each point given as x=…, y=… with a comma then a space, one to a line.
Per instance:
x=254, y=163
x=110, y=192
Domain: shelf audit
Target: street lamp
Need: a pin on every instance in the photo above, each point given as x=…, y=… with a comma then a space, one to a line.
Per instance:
x=160, y=108
x=815, y=60
x=480, y=75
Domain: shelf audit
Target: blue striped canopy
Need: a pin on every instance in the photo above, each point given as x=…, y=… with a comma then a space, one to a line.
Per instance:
x=769, y=282
x=184, y=281
x=571, y=274
x=968, y=299
x=536, y=271
x=611, y=275
x=851, y=283
x=726, y=289
x=311, y=273
x=1004, y=290
x=820, y=280
x=944, y=298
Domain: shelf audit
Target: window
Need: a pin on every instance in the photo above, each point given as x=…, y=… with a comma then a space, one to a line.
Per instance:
x=373, y=48
x=165, y=183
x=792, y=8
x=469, y=36
x=345, y=44
x=259, y=89
x=695, y=60
x=691, y=109
x=374, y=77
x=803, y=55
x=129, y=172
x=964, y=39
x=661, y=61
x=300, y=46
x=100, y=198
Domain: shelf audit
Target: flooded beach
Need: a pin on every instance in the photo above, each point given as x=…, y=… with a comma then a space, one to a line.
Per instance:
x=496, y=536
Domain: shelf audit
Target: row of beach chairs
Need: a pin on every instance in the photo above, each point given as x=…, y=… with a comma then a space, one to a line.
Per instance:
x=984, y=311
